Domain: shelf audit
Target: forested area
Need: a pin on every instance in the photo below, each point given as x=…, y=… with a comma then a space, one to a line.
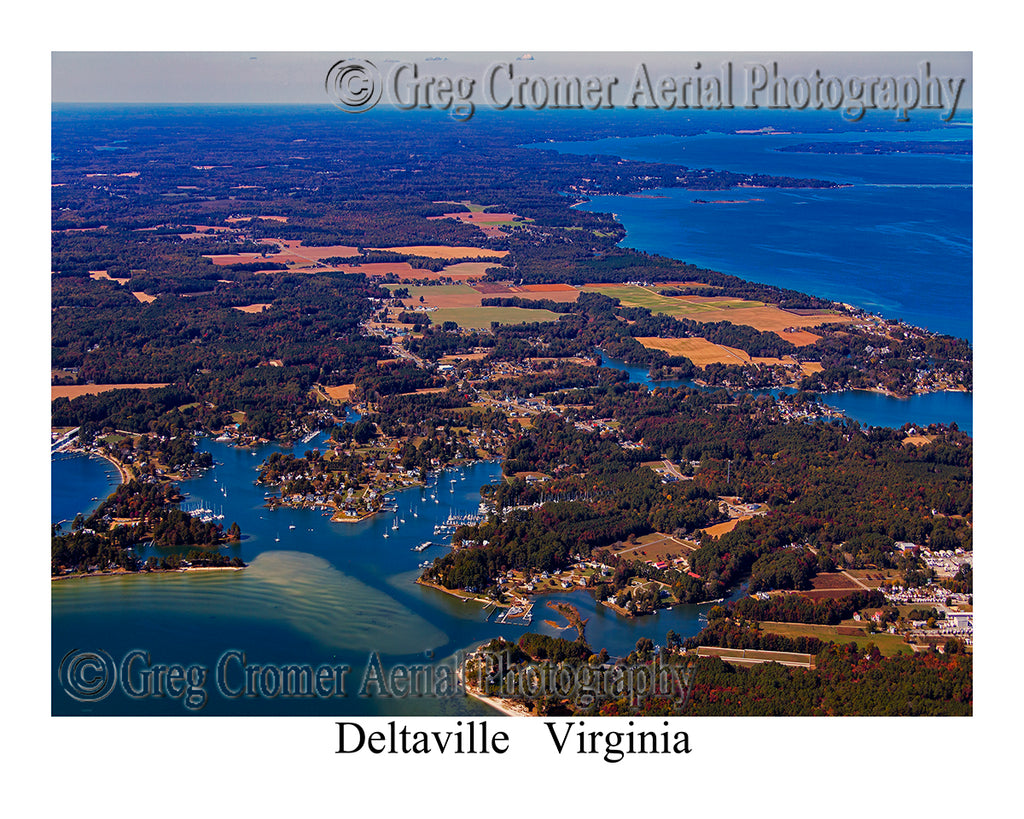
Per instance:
x=847, y=492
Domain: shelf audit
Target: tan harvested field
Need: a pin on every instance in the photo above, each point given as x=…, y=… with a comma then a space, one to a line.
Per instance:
x=454, y=359
x=443, y=296
x=98, y=275
x=442, y=252
x=570, y=295
x=403, y=270
x=798, y=338
x=490, y=224
x=811, y=367
x=75, y=390
x=919, y=440
x=703, y=352
x=234, y=219
x=253, y=308
x=728, y=526
x=460, y=272
x=291, y=253
x=463, y=271
x=145, y=298
x=340, y=393
x=754, y=314
x=769, y=318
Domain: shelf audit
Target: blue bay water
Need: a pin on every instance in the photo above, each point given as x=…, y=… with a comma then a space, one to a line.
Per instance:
x=897, y=240
x=314, y=592
x=78, y=484
x=869, y=408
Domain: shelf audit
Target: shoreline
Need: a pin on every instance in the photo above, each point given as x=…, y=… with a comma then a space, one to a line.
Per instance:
x=419, y=581
x=507, y=707
x=122, y=470
x=83, y=575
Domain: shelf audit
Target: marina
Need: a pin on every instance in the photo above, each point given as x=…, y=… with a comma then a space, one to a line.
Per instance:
x=267, y=607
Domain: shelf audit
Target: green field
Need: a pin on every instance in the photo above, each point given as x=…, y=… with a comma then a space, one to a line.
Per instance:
x=469, y=318
x=888, y=644
x=668, y=305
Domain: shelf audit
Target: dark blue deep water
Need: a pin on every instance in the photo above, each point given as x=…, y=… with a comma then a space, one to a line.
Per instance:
x=897, y=240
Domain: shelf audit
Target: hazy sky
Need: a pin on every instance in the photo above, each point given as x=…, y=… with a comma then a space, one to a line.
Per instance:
x=289, y=77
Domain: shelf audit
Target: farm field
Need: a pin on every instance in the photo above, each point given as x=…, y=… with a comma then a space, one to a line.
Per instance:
x=253, y=308
x=873, y=578
x=679, y=306
x=656, y=546
x=469, y=318
x=760, y=316
x=889, y=644
x=490, y=224
x=831, y=585
x=291, y=253
x=441, y=295
x=342, y=392
x=547, y=288
x=703, y=352
x=444, y=252
x=752, y=656
x=728, y=526
x=102, y=275
x=555, y=292
x=75, y=390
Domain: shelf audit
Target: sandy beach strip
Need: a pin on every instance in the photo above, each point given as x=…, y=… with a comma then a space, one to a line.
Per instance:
x=185, y=570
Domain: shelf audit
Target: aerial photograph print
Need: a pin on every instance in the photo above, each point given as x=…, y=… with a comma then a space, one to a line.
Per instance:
x=542, y=384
